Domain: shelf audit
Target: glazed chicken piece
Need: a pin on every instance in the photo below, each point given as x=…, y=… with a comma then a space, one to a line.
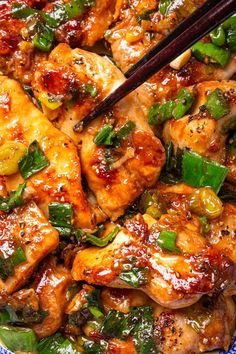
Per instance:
x=194, y=329
x=18, y=55
x=26, y=228
x=21, y=121
x=116, y=175
x=51, y=285
x=173, y=279
x=199, y=131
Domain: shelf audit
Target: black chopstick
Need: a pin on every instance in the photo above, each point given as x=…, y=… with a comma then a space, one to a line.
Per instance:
x=201, y=26
x=175, y=33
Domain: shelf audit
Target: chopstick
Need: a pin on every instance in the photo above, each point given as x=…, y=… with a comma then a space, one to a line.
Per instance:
x=201, y=25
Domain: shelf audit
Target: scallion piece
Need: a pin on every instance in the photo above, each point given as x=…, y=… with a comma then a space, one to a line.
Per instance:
x=159, y=114
x=34, y=161
x=230, y=28
x=217, y=104
x=103, y=134
x=136, y=277
x=18, y=339
x=18, y=256
x=56, y=344
x=198, y=171
x=91, y=90
x=123, y=132
x=14, y=200
x=21, y=11
x=164, y=6
x=205, y=226
x=219, y=55
x=44, y=38
x=94, y=240
x=95, y=312
x=218, y=36
x=60, y=216
x=7, y=265
x=166, y=241
x=184, y=102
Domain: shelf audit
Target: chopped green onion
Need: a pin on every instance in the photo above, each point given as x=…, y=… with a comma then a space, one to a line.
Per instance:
x=21, y=11
x=230, y=28
x=56, y=344
x=159, y=114
x=145, y=16
x=123, y=132
x=60, y=216
x=136, y=277
x=18, y=339
x=116, y=325
x=164, y=6
x=94, y=240
x=44, y=38
x=91, y=89
x=184, y=102
x=166, y=241
x=218, y=36
x=14, y=200
x=74, y=9
x=103, y=134
x=34, y=161
x=205, y=226
x=7, y=265
x=219, y=55
x=204, y=202
x=217, y=104
x=95, y=312
x=198, y=171
x=91, y=347
x=169, y=153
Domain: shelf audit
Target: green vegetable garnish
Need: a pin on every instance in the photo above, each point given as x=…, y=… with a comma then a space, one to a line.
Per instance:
x=21, y=11
x=219, y=55
x=136, y=277
x=205, y=226
x=44, y=38
x=230, y=29
x=18, y=339
x=91, y=89
x=94, y=240
x=7, y=265
x=217, y=104
x=166, y=241
x=103, y=134
x=91, y=347
x=14, y=200
x=145, y=16
x=60, y=216
x=184, y=102
x=164, y=6
x=34, y=161
x=109, y=137
x=218, y=36
x=198, y=171
x=56, y=344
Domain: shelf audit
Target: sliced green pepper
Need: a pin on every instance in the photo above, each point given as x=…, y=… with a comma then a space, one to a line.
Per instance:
x=219, y=55
x=18, y=339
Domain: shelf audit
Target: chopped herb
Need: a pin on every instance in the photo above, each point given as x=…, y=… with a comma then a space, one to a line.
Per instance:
x=219, y=55
x=218, y=36
x=44, y=38
x=34, y=161
x=56, y=344
x=18, y=339
x=198, y=171
x=184, y=102
x=103, y=134
x=60, y=216
x=116, y=325
x=166, y=241
x=164, y=6
x=14, y=200
x=217, y=104
x=230, y=29
x=205, y=226
x=109, y=137
x=7, y=265
x=95, y=312
x=94, y=240
x=145, y=16
x=91, y=347
x=91, y=89
x=21, y=11
x=136, y=277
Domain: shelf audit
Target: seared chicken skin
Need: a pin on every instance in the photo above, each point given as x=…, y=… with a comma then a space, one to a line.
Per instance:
x=25, y=227
x=21, y=121
x=199, y=131
x=117, y=176
x=174, y=279
x=196, y=329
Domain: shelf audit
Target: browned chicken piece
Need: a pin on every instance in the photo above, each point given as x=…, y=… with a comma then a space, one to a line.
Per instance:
x=117, y=176
x=173, y=279
x=199, y=131
x=204, y=326
x=51, y=285
x=25, y=227
x=21, y=121
x=18, y=54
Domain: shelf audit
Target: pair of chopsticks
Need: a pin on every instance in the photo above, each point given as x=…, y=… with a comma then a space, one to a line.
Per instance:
x=193, y=28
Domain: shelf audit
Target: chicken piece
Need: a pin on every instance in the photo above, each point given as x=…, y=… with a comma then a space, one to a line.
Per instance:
x=116, y=176
x=25, y=227
x=194, y=329
x=223, y=232
x=172, y=279
x=51, y=285
x=61, y=180
x=18, y=54
x=199, y=131
x=140, y=26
